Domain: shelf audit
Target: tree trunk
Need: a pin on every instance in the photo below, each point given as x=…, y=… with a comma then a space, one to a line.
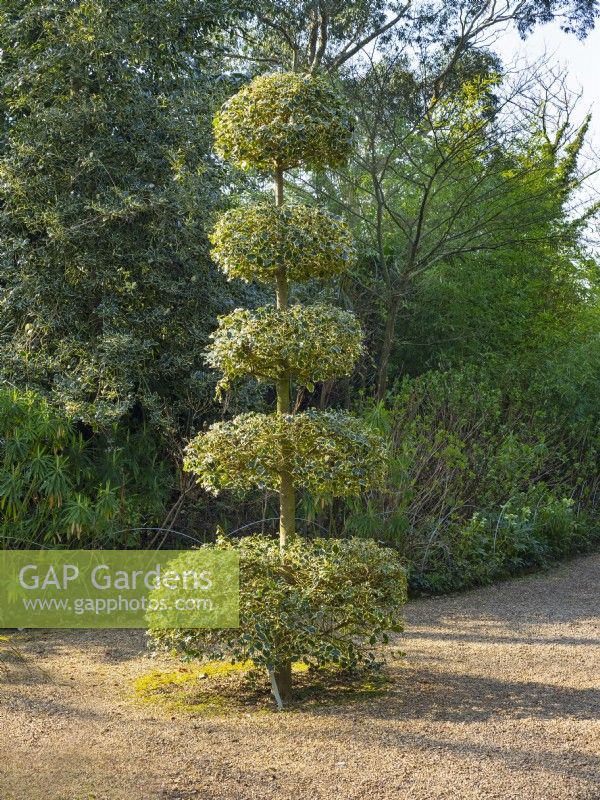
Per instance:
x=287, y=494
x=283, y=679
x=386, y=348
x=326, y=388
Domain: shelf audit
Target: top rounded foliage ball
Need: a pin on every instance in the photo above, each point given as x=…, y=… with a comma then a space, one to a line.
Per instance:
x=284, y=120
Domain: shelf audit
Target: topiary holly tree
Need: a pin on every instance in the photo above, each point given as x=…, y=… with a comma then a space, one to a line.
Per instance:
x=276, y=123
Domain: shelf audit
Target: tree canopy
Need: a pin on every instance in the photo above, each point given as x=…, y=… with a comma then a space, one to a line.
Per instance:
x=430, y=251
x=106, y=180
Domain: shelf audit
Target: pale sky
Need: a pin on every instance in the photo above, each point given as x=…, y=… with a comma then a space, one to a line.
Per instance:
x=579, y=59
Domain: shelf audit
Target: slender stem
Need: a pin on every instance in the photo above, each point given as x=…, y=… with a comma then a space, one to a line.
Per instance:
x=282, y=289
x=282, y=281
x=283, y=396
x=386, y=347
x=287, y=494
x=278, y=186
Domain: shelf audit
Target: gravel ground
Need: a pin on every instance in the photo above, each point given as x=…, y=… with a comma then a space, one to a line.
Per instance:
x=498, y=697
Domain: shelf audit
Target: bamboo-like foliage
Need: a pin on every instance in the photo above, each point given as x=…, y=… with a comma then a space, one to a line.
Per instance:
x=57, y=488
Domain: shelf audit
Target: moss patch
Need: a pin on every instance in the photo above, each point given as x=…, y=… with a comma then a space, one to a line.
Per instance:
x=187, y=690
x=220, y=688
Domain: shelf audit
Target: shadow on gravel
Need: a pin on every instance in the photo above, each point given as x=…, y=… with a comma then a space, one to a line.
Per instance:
x=486, y=638
x=51, y=708
x=462, y=700
x=438, y=696
x=105, y=645
x=571, y=764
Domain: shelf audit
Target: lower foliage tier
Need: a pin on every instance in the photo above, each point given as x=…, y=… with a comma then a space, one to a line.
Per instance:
x=328, y=453
x=304, y=343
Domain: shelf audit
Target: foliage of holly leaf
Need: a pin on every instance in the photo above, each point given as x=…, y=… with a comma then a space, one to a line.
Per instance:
x=329, y=453
x=304, y=343
x=282, y=120
x=323, y=601
x=254, y=242
x=107, y=292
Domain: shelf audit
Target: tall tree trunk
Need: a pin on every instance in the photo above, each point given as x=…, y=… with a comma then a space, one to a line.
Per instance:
x=287, y=493
x=386, y=348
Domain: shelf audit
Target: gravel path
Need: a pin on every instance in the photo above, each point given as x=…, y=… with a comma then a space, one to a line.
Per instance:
x=498, y=697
